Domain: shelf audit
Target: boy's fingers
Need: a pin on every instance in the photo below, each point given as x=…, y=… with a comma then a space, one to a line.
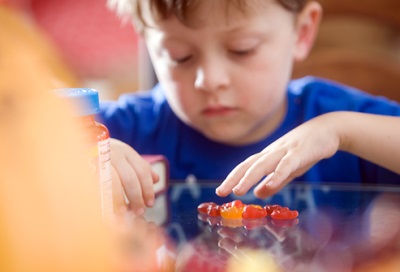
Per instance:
x=145, y=177
x=262, y=167
x=132, y=187
x=118, y=192
x=277, y=179
x=136, y=176
x=235, y=175
x=265, y=164
x=263, y=190
x=146, y=182
x=155, y=176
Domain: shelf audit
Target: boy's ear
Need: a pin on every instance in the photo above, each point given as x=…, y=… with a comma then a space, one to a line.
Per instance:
x=307, y=29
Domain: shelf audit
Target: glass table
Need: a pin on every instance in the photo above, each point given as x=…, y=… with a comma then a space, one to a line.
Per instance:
x=339, y=227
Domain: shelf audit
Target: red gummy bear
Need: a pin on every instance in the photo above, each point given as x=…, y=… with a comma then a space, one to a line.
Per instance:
x=203, y=207
x=209, y=208
x=214, y=210
x=271, y=208
x=284, y=213
x=253, y=212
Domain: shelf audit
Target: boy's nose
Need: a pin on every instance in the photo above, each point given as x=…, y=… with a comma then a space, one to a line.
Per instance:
x=211, y=77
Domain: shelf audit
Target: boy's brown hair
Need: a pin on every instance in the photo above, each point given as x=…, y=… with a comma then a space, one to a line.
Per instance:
x=181, y=8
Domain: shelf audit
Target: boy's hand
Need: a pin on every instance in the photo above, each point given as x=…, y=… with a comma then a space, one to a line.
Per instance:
x=134, y=174
x=288, y=157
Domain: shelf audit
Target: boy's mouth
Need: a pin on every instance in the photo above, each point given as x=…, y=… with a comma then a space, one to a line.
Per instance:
x=218, y=111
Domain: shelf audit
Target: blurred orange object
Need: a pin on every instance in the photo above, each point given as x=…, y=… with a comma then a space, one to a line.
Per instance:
x=50, y=217
x=142, y=246
x=50, y=210
x=387, y=264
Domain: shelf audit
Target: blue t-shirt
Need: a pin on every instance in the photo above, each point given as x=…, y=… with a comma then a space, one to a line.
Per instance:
x=145, y=121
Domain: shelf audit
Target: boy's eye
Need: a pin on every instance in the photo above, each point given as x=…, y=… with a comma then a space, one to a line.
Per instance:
x=242, y=52
x=183, y=59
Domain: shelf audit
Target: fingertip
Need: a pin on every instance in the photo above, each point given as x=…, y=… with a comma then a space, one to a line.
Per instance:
x=150, y=202
x=221, y=192
x=148, y=194
x=149, y=197
x=139, y=211
x=218, y=192
x=155, y=177
x=225, y=188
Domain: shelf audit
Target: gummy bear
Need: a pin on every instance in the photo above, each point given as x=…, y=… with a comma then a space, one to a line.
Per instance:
x=234, y=203
x=271, y=208
x=203, y=207
x=232, y=210
x=253, y=211
x=214, y=210
x=209, y=208
x=232, y=213
x=284, y=213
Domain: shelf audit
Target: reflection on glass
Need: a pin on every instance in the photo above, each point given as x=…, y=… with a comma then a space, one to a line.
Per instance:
x=338, y=229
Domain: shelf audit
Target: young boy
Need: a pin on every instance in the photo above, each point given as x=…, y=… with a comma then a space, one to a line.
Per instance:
x=225, y=94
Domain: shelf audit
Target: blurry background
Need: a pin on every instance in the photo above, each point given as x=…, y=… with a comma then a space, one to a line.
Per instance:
x=358, y=44
x=87, y=38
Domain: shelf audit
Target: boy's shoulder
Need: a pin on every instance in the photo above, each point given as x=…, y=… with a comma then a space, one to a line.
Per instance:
x=323, y=95
x=313, y=84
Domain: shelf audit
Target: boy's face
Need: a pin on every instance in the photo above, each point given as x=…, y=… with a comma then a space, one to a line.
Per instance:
x=227, y=75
